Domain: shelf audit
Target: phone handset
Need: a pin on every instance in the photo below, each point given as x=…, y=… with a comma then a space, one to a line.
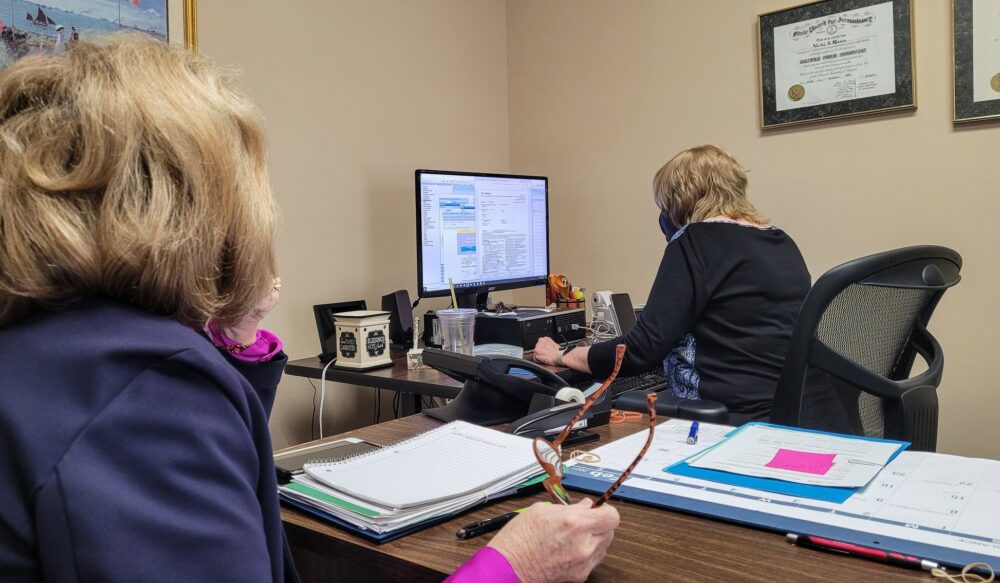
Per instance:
x=548, y=383
x=496, y=371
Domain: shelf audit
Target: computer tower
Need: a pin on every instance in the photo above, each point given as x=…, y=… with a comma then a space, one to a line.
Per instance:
x=525, y=327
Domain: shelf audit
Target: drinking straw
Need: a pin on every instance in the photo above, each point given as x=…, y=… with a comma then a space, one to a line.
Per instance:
x=454, y=303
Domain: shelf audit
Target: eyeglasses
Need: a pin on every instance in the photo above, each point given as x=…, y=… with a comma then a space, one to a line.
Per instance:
x=549, y=455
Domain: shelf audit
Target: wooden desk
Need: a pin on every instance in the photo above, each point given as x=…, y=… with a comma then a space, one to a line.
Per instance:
x=650, y=545
x=423, y=382
x=427, y=382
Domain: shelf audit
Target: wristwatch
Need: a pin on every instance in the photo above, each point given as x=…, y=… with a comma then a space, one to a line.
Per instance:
x=561, y=354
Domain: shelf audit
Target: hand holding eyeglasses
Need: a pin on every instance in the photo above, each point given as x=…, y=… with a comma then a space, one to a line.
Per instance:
x=564, y=541
x=549, y=455
x=552, y=542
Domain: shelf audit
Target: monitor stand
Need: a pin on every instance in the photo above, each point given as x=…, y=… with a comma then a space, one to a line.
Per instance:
x=473, y=300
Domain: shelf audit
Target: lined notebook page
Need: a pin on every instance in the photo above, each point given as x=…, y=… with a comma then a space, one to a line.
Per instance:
x=441, y=464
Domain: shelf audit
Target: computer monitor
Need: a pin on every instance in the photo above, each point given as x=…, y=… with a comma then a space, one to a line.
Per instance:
x=486, y=232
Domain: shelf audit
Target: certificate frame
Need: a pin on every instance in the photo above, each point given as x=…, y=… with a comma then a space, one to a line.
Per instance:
x=966, y=109
x=903, y=97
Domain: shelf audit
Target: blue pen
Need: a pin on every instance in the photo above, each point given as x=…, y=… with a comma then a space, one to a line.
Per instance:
x=693, y=434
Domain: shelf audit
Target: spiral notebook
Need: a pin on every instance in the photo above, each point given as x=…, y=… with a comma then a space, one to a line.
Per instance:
x=436, y=474
x=288, y=464
x=443, y=464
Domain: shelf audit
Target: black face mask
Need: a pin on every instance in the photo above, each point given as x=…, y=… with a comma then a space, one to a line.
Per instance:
x=668, y=227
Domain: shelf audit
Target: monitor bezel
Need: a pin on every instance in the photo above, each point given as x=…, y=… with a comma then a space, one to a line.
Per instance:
x=486, y=288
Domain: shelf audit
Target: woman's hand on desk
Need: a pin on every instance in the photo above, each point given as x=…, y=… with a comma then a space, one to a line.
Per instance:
x=550, y=542
x=547, y=352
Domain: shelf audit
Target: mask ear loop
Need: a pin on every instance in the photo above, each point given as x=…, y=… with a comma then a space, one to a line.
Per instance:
x=966, y=576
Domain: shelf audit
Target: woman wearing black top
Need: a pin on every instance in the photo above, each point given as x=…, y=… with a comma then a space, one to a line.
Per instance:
x=725, y=298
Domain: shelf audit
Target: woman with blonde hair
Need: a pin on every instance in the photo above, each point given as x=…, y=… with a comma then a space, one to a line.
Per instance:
x=721, y=311
x=136, y=262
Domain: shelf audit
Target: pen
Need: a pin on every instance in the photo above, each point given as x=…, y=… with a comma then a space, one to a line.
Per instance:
x=693, y=434
x=488, y=525
x=892, y=558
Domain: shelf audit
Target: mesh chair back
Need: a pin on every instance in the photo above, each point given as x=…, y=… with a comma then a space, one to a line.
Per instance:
x=872, y=325
x=854, y=344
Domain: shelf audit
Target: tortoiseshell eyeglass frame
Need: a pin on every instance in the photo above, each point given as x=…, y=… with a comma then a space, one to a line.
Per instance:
x=553, y=484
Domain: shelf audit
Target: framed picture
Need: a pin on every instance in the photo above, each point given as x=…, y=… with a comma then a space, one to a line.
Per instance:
x=55, y=25
x=835, y=58
x=977, y=59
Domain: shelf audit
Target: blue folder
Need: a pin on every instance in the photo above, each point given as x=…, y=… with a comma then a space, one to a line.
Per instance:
x=824, y=493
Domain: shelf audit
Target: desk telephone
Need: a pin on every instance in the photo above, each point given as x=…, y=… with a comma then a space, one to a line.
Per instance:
x=502, y=389
x=615, y=310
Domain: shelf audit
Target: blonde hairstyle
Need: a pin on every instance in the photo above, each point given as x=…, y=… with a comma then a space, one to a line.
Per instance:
x=132, y=170
x=704, y=182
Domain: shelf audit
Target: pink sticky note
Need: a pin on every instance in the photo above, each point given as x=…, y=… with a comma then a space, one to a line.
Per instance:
x=802, y=461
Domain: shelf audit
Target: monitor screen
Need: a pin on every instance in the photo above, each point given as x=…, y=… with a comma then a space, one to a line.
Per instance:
x=484, y=231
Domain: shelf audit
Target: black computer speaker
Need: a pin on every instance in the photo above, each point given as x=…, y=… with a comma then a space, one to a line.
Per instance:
x=400, y=317
x=326, y=325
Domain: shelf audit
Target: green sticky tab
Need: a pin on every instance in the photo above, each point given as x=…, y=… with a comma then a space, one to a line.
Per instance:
x=314, y=493
x=532, y=481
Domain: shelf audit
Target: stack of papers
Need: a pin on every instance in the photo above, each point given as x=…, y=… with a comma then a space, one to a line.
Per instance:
x=495, y=349
x=788, y=460
x=416, y=482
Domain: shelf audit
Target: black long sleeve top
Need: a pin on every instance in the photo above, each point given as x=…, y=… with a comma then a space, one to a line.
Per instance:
x=719, y=316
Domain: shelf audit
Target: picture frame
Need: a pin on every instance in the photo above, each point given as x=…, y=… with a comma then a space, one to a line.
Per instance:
x=976, y=44
x=830, y=59
x=186, y=25
x=30, y=27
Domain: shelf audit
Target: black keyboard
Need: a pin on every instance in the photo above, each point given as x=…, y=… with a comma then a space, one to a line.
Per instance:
x=650, y=381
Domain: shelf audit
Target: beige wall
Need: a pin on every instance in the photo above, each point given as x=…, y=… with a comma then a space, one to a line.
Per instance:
x=596, y=95
x=603, y=93
x=358, y=94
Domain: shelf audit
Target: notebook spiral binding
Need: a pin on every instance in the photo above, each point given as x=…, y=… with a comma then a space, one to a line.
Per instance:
x=334, y=461
x=343, y=458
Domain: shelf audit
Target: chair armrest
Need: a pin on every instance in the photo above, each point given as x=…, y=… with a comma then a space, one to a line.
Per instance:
x=703, y=410
x=671, y=406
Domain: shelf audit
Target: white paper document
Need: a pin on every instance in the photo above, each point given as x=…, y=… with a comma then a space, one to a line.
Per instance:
x=843, y=56
x=803, y=457
x=985, y=50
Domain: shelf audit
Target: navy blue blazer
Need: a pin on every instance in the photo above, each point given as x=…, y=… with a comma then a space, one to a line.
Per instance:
x=132, y=449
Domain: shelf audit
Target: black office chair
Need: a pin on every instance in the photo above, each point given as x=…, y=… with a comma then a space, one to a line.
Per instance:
x=854, y=344
x=853, y=347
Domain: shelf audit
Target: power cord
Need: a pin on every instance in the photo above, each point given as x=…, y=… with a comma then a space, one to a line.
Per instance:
x=599, y=329
x=312, y=420
x=322, y=395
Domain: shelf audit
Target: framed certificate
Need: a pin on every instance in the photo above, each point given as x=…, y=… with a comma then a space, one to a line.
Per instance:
x=835, y=58
x=977, y=59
